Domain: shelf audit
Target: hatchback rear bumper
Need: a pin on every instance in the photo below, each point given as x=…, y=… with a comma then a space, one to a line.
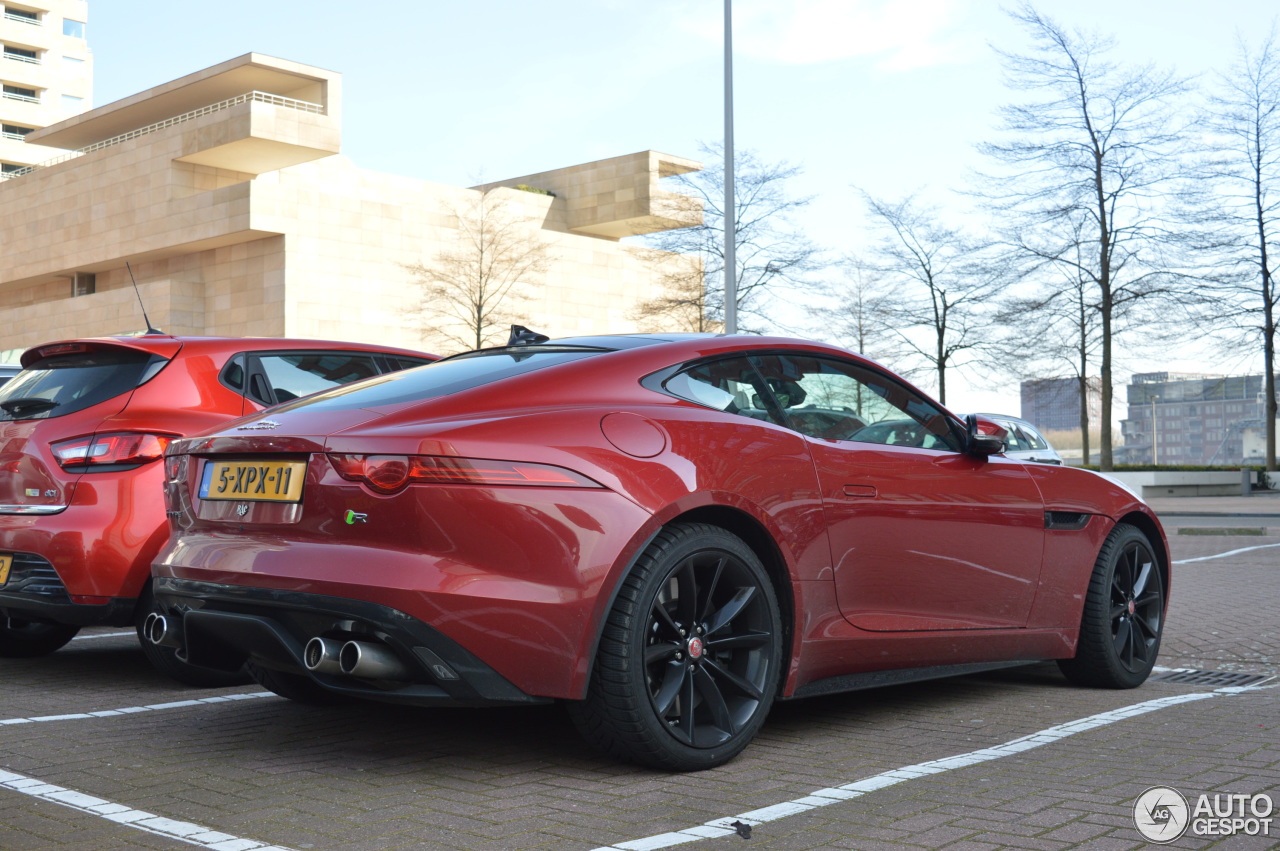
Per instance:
x=223, y=626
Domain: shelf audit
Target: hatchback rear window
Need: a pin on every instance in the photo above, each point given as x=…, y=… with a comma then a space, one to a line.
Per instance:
x=452, y=375
x=63, y=384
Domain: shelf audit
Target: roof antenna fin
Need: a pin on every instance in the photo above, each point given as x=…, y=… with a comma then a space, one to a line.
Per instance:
x=522, y=336
x=150, y=328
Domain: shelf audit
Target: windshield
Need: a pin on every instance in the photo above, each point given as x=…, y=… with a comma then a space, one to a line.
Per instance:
x=63, y=384
x=439, y=379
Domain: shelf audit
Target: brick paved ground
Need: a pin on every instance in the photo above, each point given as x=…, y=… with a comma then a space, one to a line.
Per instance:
x=375, y=777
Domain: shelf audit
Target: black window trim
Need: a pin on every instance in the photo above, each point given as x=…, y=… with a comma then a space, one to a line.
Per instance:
x=656, y=381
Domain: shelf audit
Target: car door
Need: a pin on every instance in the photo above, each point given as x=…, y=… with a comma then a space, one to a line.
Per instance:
x=923, y=535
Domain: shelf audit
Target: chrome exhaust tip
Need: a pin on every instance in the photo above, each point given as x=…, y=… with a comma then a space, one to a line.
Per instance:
x=321, y=656
x=373, y=661
x=157, y=630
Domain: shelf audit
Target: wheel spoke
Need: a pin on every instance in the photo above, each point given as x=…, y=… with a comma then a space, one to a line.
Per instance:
x=673, y=678
x=747, y=688
x=663, y=618
x=731, y=609
x=742, y=641
x=714, y=702
x=687, y=725
x=1124, y=632
x=1150, y=630
x=663, y=652
x=1118, y=610
x=1144, y=575
x=686, y=594
x=710, y=595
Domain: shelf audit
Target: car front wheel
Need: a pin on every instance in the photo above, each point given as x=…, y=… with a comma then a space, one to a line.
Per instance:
x=1123, y=615
x=690, y=655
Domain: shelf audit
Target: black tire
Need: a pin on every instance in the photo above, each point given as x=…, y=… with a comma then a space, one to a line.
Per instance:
x=690, y=655
x=296, y=687
x=166, y=661
x=24, y=639
x=1123, y=616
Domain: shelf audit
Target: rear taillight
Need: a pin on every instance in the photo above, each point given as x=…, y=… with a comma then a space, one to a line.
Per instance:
x=391, y=473
x=118, y=449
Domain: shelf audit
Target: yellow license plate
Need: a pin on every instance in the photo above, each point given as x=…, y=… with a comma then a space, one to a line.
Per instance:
x=254, y=481
x=6, y=562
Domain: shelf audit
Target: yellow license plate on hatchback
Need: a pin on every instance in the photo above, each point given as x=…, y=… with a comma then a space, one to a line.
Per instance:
x=254, y=481
x=6, y=562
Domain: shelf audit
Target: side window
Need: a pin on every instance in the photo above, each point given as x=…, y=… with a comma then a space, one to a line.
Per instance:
x=395, y=363
x=1016, y=439
x=1034, y=439
x=287, y=376
x=730, y=385
x=840, y=400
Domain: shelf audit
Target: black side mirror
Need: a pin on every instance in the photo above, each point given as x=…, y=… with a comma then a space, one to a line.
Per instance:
x=986, y=440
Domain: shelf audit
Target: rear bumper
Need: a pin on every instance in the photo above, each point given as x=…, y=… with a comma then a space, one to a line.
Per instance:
x=35, y=591
x=223, y=626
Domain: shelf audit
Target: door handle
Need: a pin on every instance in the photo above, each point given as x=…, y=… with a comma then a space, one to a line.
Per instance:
x=863, y=491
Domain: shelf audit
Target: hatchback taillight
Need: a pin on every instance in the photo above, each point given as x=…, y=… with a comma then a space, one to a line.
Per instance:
x=117, y=449
x=390, y=473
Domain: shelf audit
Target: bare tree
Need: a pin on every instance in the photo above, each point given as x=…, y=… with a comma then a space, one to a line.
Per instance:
x=1091, y=139
x=942, y=279
x=471, y=290
x=771, y=252
x=861, y=314
x=1061, y=317
x=1237, y=217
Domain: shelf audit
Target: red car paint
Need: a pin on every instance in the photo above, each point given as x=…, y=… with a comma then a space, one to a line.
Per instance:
x=106, y=525
x=883, y=557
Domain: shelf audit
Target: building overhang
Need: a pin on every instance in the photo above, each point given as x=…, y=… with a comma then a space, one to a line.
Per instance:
x=248, y=73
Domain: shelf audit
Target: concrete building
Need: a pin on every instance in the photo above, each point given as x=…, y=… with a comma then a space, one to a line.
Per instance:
x=1053, y=404
x=226, y=193
x=46, y=72
x=1180, y=418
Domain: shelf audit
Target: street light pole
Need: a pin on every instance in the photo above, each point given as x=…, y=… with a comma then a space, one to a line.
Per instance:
x=730, y=210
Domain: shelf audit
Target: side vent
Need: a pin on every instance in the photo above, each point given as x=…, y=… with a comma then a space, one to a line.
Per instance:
x=1066, y=521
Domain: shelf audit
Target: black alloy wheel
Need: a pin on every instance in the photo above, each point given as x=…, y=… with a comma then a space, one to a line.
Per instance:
x=1123, y=615
x=691, y=654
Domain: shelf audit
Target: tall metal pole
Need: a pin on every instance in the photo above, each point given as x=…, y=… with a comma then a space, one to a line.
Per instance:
x=730, y=210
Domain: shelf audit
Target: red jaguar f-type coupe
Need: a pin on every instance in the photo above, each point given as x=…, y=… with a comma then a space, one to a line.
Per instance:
x=666, y=532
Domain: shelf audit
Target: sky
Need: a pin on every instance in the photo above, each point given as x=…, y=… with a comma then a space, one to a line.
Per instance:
x=890, y=96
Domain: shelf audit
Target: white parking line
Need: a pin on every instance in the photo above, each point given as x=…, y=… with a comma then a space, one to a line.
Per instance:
x=1224, y=555
x=130, y=633
x=131, y=710
x=185, y=831
x=822, y=797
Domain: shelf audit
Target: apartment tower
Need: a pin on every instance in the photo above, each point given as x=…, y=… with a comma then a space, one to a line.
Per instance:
x=47, y=74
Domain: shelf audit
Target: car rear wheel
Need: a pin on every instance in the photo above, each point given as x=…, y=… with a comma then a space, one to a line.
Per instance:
x=24, y=639
x=1123, y=615
x=690, y=655
x=166, y=661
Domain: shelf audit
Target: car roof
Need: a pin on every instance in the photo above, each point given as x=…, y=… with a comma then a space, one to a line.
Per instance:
x=168, y=345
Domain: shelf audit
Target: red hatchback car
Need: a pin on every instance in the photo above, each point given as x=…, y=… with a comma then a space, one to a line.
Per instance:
x=666, y=533
x=82, y=430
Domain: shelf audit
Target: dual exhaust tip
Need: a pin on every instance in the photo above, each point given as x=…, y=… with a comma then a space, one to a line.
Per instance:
x=353, y=659
x=321, y=655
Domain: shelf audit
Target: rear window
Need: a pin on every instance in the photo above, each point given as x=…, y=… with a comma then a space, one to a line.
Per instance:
x=64, y=384
x=440, y=378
